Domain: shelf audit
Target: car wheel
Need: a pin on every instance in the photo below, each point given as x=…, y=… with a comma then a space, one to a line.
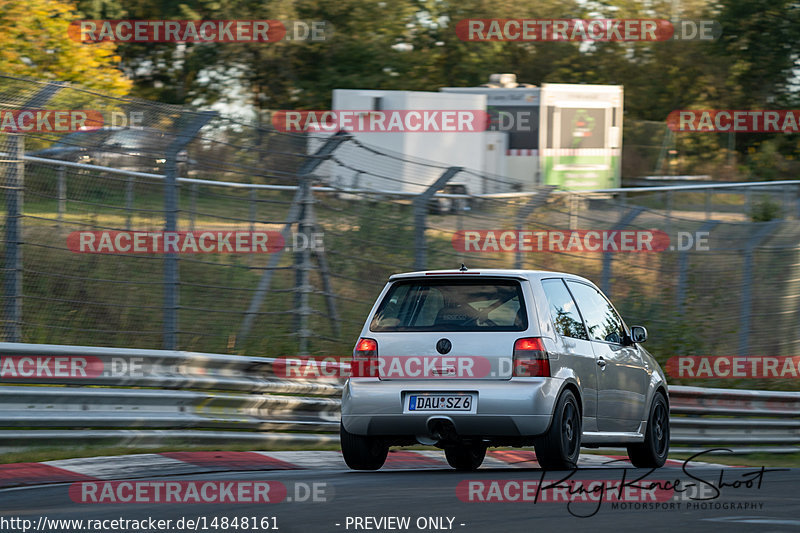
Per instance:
x=560, y=447
x=466, y=457
x=652, y=453
x=361, y=452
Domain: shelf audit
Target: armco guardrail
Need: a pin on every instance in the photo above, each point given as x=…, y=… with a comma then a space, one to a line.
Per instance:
x=129, y=396
x=738, y=419
x=85, y=393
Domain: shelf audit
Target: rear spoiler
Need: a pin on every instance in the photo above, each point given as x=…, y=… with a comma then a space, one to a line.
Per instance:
x=456, y=274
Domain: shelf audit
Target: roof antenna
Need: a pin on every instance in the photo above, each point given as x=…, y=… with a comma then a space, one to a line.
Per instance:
x=463, y=268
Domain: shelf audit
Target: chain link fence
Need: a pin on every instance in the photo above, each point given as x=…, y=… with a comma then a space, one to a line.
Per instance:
x=346, y=221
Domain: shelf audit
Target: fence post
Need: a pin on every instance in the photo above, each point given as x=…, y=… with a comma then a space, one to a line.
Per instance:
x=669, y=203
x=748, y=202
x=683, y=268
x=787, y=202
x=573, y=212
x=62, y=193
x=745, y=309
x=622, y=224
x=325, y=151
x=171, y=286
x=460, y=227
x=252, y=210
x=129, y=182
x=797, y=201
x=420, y=204
x=303, y=266
x=535, y=201
x=14, y=185
x=192, y=206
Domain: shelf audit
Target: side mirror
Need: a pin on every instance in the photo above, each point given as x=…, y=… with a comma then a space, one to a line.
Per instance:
x=638, y=334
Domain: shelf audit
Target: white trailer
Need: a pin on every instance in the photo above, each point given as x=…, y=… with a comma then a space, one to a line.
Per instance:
x=406, y=167
x=563, y=135
x=515, y=115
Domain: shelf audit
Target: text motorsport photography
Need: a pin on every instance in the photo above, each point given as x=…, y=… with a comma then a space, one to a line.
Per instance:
x=630, y=490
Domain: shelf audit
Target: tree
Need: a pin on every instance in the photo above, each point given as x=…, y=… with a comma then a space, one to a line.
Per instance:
x=34, y=42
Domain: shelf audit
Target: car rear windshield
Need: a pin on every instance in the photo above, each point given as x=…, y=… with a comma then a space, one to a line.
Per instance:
x=452, y=305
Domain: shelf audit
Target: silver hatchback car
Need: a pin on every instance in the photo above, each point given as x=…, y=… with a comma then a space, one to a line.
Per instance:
x=463, y=360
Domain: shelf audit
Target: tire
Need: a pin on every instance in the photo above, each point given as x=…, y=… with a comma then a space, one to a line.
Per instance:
x=465, y=457
x=560, y=447
x=653, y=452
x=361, y=452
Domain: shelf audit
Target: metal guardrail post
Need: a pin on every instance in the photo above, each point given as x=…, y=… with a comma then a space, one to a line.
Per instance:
x=605, y=283
x=171, y=286
x=420, y=204
x=745, y=309
x=14, y=184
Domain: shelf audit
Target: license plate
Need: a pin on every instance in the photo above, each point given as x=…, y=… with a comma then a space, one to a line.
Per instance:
x=462, y=403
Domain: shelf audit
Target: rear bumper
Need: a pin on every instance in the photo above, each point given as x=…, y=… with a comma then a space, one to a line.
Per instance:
x=518, y=407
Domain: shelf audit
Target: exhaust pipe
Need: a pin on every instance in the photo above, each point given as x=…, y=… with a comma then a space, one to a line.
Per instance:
x=442, y=429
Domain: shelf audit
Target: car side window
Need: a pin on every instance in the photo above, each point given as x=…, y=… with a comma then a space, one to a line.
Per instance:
x=563, y=311
x=603, y=323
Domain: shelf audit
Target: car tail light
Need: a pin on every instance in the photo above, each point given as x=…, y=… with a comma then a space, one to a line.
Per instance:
x=365, y=358
x=530, y=358
x=365, y=349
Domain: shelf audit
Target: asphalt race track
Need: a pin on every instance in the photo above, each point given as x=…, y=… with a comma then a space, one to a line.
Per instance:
x=430, y=496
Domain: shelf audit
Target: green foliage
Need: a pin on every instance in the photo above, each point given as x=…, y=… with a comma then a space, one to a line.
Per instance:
x=772, y=160
x=765, y=210
x=35, y=43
